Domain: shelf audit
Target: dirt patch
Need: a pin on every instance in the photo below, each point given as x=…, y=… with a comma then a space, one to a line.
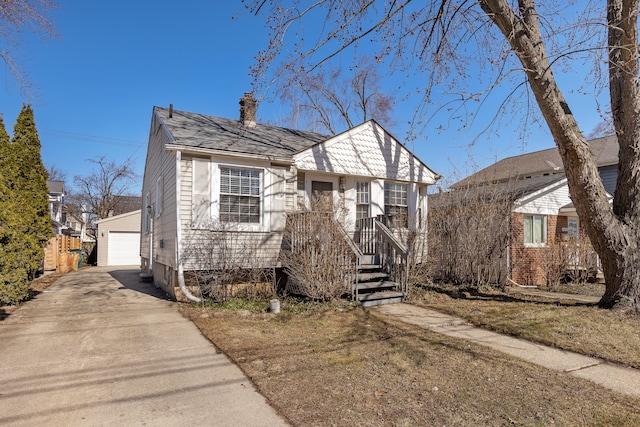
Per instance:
x=354, y=367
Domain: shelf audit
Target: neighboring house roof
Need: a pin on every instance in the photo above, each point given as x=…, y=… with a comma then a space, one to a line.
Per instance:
x=126, y=204
x=55, y=187
x=513, y=190
x=215, y=133
x=605, y=151
x=119, y=217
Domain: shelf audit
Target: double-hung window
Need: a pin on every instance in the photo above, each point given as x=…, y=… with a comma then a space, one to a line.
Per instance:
x=240, y=195
x=362, y=200
x=535, y=230
x=395, y=204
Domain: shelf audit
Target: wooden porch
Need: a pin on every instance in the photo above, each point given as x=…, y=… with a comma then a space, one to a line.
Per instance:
x=370, y=266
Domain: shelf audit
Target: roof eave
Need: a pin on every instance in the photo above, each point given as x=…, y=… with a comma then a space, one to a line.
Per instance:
x=215, y=152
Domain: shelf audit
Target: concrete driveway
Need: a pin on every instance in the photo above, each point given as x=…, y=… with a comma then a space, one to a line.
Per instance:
x=100, y=348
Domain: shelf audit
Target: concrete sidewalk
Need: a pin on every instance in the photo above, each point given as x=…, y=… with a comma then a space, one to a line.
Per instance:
x=100, y=348
x=617, y=378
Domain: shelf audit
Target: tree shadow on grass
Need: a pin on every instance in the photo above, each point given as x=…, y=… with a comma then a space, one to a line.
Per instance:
x=478, y=294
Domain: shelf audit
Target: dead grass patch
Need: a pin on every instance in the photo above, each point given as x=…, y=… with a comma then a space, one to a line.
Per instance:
x=354, y=367
x=581, y=328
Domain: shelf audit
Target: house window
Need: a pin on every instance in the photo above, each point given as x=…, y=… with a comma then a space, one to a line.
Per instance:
x=159, y=196
x=145, y=210
x=362, y=200
x=572, y=227
x=239, y=195
x=535, y=229
x=395, y=204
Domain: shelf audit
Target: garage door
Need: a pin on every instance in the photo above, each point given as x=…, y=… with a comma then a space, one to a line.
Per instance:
x=124, y=248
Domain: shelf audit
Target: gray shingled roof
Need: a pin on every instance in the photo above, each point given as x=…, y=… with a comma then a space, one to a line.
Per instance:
x=537, y=163
x=513, y=189
x=200, y=131
x=55, y=187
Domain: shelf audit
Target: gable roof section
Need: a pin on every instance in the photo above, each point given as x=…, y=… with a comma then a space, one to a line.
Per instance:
x=605, y=151
x=513, y=190
x=119, y=217
x=366, y=150
x=198, y=131
x=55, y=187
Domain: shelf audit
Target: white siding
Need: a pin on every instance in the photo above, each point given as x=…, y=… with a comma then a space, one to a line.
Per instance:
x=128, y=223
x=366, y=151
x=545, y=202
x=160, y=165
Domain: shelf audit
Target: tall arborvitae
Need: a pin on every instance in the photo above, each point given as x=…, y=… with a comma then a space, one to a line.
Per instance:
x=13, y=274
x=27, y=223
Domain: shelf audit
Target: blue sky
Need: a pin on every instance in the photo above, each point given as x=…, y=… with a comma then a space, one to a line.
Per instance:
x=96, y=84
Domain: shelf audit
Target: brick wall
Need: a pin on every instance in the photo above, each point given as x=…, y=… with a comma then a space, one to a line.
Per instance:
x=529, y=265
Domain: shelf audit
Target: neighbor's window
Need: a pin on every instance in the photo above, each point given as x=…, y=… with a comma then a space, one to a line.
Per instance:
x=362, y=200
x=395, y=204
x=239, y=195
x=535, y=230
x=572, y=227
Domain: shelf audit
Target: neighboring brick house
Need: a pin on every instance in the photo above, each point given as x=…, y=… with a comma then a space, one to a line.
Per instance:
x=542, y=213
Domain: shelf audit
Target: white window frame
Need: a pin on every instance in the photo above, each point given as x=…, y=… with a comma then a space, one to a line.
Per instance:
x=363, y=197
x=575, y=231
x=533, y=243
x=397, y=203
x=145, y=213
x=159, y=196
x=259, y=196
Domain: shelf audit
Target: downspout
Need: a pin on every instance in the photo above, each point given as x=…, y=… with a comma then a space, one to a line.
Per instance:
x=183, y=286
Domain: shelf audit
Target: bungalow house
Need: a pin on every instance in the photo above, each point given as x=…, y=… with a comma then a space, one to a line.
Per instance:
x=542, y=215
x=206, y=173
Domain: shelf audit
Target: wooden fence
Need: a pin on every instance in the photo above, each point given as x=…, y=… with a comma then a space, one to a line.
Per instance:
x=57, y=256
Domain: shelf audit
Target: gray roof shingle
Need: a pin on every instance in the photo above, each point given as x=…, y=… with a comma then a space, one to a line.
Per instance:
x=604, y=149
x=512, y=190
x=55, y=187
x=201, y=131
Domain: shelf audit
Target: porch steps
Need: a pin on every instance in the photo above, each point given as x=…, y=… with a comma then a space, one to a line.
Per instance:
x=374, y=289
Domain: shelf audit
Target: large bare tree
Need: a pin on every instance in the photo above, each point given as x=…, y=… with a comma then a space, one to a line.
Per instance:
x=455, y=42
x=330, y=101
x=99, y=192
x=16, y=17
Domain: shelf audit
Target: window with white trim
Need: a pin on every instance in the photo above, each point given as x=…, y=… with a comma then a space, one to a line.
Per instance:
x=535, y=230
x=159, y=195
x=395, y=204
x=240, y=195
x=572, y=227
x=145, y=212
x=362, y=200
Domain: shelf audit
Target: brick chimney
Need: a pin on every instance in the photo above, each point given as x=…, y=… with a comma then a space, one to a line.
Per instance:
x=248, y=107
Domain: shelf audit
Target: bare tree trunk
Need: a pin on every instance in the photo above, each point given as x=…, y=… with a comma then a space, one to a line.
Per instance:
x=613, y=232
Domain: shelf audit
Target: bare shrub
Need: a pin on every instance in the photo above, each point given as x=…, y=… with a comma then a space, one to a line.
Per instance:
x=469, y=235
x=317, y=254
x=571, y=259
x=226, y=264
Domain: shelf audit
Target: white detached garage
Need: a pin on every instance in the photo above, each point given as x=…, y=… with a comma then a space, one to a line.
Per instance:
x=119, y=239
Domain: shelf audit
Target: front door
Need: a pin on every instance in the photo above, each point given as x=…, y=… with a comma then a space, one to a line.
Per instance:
x=321, y=196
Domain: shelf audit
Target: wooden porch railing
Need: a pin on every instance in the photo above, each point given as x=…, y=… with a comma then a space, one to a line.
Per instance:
x=374, y=237
x=321, y=242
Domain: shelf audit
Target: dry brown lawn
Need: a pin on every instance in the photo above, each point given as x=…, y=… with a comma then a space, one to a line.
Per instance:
x=341, y=365
x=585, y=329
